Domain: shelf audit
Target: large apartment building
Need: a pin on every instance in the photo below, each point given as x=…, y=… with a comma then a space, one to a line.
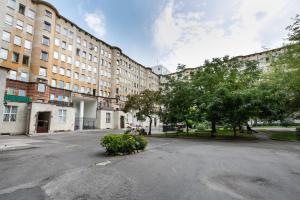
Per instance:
x=263, y=60
x=59, y=77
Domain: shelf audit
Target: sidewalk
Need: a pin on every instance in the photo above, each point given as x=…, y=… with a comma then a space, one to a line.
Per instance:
x=11, y=143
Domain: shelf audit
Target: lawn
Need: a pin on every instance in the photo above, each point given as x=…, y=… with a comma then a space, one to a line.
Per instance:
x=221, y=135
x=285, y=136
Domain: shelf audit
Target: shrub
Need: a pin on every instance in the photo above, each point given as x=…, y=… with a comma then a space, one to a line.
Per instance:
x=141, y=131
x=140, y=142
x=127, y=131
x=298, y=129
x=123, y=144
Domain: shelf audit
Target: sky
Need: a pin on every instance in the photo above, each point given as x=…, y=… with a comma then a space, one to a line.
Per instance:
x=170, y=32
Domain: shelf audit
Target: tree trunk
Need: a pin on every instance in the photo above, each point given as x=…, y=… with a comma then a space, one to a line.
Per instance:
x=150, y=125
x=213, y=128
x=187, y=127
x=234, y=130
x=241, y=128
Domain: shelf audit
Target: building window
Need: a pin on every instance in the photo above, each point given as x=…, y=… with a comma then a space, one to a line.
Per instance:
x=45, y=40
x=76, y=76
x=30, y=14
x=43, y=71
x=71, y=34
x=25, y=60
x=22, y=9
x=68, y=73
x=19, y=24
x=63, y=57
x=67, y=86
x=60, y=98
x=78, y=40
x=48, y=13
x=15, y=57
x=22, y=93
x=66, y=99
x=65, y=31
x=29, y=29
x=75, y=88
x=47, y=26
x=70, y=48
x=57, y=42
x=55, y=55
x=90, y=57
x=61, y=71
x=13, y=74
x=9, y=20
x=69, y=60
x=84, y=54
x=17, y=41
x=53, y=83
x=63, y=45
x=27, y=44
x=10, y=113
x=77, y=52
x=44, y=56
x=61, y=84
x=24, y=76
x=3, y=54
x=107, y=118
x=41, y=87
x=6, y=36
x=52, y=97
x=62, y=115
x=54, y=69
x=10, y=91
x=11, y=4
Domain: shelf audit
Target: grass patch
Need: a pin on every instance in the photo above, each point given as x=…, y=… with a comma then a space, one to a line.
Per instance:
x=285, y=136
x=221, y=135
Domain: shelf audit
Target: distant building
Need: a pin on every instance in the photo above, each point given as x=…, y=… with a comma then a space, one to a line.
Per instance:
x=160, y=70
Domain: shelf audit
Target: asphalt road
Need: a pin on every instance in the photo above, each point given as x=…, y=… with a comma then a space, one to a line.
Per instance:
x=64, y=167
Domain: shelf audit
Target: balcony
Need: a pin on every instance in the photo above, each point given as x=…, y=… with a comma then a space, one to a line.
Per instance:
x=61, y=103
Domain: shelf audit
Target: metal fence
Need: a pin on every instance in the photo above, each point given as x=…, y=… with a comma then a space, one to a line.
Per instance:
x=88, y=123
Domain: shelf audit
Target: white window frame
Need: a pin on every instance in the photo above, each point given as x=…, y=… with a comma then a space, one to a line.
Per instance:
x=3, y=54
x=17, y=40
x=11, y=114
x=19, y=24
x=41, y=87
x=6, y=36
x=62, y=115
x=27, y=44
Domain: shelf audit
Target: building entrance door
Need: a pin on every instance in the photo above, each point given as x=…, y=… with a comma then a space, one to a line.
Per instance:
x=43, y=121
x=122, y=122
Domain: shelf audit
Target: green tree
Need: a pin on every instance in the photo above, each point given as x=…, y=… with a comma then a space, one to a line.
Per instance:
x=177, y=100
x=222, y=91
x=145, y=104
x=285, y=69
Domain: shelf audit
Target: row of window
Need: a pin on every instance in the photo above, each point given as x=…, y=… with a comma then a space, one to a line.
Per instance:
x=15, y=57
x=19, y=24
x=13, y=91
x=21, y=9
x=60, y=84
x=84, y=78
x=10, y=114
x=84, y=67
x=59, y=98
x=6, y=36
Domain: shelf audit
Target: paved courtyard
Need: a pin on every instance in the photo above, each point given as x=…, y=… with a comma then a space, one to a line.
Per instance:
x=64, y=167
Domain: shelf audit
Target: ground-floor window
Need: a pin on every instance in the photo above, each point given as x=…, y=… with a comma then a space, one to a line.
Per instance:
x=108, y=117
x=62, y=115
x=10, y=113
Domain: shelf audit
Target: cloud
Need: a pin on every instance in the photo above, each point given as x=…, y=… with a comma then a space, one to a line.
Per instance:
x=96, y=22
x=235, y=27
